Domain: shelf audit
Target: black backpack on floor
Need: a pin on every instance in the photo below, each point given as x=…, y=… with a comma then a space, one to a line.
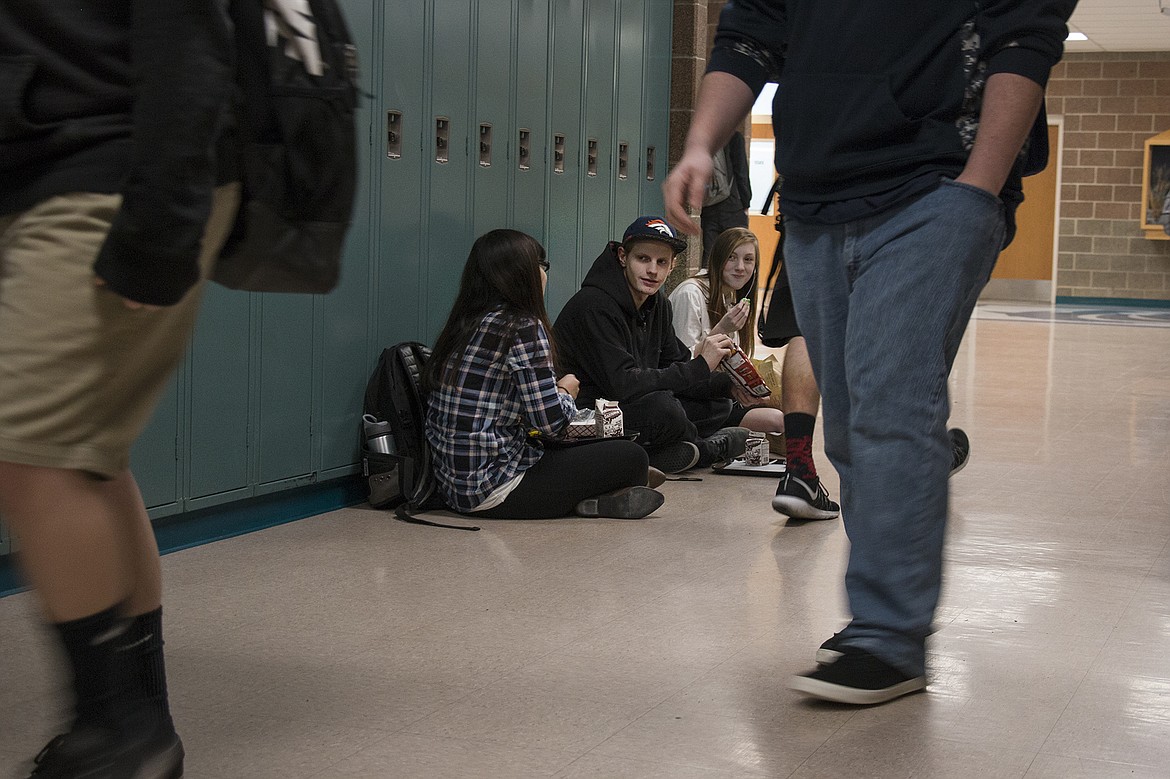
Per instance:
x=401, y=479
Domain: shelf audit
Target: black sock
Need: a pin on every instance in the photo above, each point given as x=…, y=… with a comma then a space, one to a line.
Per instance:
x=142, y=648
x=91, y=645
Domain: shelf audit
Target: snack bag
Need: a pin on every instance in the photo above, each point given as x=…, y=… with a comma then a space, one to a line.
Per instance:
x=585, y=424
x=745, y=374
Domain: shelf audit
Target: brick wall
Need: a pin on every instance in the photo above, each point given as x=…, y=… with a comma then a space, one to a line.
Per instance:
x=692, y=34
x=1111, y=103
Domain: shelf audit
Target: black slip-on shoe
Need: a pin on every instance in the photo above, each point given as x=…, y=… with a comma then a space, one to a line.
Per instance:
x=857, y=678
x=830, y=651
x=960, y=450
x=629, y=503
x=675, y=458
x=101, y=753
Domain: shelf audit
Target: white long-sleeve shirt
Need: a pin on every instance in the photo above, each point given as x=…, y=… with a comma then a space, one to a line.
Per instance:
x=691, y=321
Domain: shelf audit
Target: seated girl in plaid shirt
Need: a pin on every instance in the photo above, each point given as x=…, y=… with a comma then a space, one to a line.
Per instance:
x=492, y=379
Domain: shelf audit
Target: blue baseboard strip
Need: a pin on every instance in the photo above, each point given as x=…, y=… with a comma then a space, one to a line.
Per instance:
x=1120, y=302
x=183, y=531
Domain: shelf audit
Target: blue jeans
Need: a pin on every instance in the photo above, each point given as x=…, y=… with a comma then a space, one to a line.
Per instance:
x=883, y=302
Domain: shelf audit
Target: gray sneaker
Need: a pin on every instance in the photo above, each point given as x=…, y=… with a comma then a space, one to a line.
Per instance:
x=723, y=447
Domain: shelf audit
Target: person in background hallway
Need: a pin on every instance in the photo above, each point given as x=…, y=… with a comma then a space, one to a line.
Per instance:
x=492, y=378
x=111, y=149
x=902, y=157
x=729, y=196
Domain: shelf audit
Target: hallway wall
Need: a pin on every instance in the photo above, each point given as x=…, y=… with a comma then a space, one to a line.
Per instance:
x=1111, y=103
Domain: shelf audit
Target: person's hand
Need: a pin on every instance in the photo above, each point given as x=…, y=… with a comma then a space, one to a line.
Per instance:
x=735, y=318
x=745, y=398
x=569, y=384
x=134, y=305
x=714, y=348
x=687, y=186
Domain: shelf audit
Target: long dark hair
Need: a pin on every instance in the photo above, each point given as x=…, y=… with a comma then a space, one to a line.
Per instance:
x=502, y=273
x=728, y=241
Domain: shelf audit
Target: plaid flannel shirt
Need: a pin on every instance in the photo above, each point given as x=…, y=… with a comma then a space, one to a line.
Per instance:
x=495, y=392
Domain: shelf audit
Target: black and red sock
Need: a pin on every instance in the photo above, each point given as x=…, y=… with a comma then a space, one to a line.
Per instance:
x=798, y=436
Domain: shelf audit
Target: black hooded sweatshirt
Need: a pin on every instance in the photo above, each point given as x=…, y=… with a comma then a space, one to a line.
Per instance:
x=619, y=352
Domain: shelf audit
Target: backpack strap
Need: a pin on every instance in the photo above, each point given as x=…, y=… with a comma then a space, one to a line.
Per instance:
x=774, y=271
x=403, y=512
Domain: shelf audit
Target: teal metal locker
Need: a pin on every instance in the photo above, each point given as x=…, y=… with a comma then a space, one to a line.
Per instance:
x=346, y=312
x=530, y=134
x=566, y=79
x=656, y=103
x=218, y=398
x=154, y=460
x=628, y=116
x=447, y=179
x=598, y=181
x=403, y=151
x=284, y=387
x=491, y=129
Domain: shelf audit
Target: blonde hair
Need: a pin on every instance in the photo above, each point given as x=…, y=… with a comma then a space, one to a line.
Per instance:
x=725, y=245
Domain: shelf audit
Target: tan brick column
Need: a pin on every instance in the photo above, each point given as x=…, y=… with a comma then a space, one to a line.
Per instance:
x=694, y=30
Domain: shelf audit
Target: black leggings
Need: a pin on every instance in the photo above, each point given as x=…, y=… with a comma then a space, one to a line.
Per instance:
x=564, y=477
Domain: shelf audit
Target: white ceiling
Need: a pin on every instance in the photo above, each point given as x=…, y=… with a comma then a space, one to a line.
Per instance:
x=1120, y=25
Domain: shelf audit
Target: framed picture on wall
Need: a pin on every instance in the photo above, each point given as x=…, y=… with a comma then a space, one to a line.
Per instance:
x=1155, y=185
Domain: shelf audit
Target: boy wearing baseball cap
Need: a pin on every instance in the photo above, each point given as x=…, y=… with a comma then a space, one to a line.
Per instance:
x=616, y=335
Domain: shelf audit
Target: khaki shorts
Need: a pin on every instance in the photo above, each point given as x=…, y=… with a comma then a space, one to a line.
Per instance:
x=80, y=373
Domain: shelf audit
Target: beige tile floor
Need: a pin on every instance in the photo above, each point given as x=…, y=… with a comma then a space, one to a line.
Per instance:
x=351, y=645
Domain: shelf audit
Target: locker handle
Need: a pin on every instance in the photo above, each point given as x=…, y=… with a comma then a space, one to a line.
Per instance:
x=485, y=145
x=525, y=148
x=623, y=161
x=591, y=158
x=394, y=135
x=649, y=163
x=559, y=153
x=442, y=139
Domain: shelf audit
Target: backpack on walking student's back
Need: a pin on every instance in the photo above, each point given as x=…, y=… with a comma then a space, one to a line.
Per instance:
x=397, y=461
x=720, y=187
x=296, y=74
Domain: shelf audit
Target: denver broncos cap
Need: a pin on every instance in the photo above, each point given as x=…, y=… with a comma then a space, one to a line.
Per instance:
x=654, y=228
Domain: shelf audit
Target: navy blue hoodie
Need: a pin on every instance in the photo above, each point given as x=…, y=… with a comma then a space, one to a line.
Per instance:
x=878, y=100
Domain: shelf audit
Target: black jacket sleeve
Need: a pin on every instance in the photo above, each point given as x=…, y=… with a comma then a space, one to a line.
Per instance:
x=1026, y=39
x=749, y=43
x=183, y=63
x=716, y=384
